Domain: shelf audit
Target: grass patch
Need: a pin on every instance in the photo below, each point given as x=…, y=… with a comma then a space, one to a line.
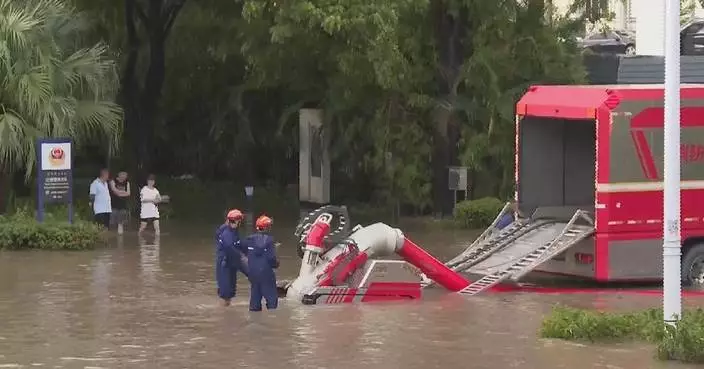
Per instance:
x=684, y=343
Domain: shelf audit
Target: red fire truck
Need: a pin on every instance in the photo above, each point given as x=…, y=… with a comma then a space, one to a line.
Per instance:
x=589, y=182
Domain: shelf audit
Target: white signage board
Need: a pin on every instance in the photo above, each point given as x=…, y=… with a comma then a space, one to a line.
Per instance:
x=55, y=156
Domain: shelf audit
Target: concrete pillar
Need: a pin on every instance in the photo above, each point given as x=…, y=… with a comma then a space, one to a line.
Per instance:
x=650, y=26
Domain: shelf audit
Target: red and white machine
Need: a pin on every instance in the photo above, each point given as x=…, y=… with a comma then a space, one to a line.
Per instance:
x=588, y=177
x=341, y=266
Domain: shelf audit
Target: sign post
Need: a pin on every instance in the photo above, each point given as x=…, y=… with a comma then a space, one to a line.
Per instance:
x=671, y=250
x=54, y=174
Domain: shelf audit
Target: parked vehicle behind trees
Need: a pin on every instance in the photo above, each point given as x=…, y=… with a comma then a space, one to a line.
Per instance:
x=610, y=42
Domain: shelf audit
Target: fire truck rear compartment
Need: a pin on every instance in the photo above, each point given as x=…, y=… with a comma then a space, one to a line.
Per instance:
x=556, y=159
x=556, y=164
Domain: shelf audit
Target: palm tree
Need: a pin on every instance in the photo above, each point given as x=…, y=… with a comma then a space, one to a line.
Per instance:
x=50, y=85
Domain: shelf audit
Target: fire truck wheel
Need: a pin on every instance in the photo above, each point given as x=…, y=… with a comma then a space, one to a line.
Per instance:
x=693, y=265
x=300, y=251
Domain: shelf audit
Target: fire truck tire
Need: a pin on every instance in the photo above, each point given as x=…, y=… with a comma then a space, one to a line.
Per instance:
x=693, y=265
x=300, y=251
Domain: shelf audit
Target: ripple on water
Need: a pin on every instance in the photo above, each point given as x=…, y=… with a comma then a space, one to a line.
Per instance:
x=156, y=307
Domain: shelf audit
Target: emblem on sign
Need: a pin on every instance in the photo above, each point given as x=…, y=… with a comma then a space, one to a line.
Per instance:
x=57, y=156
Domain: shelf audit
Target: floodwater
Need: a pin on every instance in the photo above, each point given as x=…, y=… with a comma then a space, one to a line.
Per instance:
x=153, y=306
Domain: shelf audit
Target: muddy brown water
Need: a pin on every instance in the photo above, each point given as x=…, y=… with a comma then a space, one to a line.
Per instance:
x=153, y=306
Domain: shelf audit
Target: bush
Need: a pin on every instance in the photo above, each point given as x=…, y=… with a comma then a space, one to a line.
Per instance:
x=53, y=212
x=684, y=343
x=477, y=213
x=22, y=232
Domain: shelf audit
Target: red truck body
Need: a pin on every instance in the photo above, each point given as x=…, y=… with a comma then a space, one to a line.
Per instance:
x=600, y=148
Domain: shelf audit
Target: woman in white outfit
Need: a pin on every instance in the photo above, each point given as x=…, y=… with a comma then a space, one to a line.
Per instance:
x=150, y=211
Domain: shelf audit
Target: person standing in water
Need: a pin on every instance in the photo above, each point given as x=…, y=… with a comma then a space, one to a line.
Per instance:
x=261, y=262
x=100, y=199
x=149, y=212
x=228, y=256
x=119, y=193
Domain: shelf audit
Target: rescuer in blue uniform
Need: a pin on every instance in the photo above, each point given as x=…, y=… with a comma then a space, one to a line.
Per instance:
x=228, y=256
x=508, y=218
x=261, y=262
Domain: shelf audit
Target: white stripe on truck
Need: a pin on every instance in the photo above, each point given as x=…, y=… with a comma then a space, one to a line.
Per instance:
x=645, y=186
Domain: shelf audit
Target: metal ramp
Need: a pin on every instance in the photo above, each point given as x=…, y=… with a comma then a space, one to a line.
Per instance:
x=539, y=245
x=489, y=242
x=510, y=237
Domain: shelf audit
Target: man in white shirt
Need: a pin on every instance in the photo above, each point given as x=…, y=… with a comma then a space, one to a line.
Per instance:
x=100, y=199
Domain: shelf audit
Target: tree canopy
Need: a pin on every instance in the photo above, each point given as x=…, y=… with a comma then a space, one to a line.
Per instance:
x=408, y=87
x=52, y=84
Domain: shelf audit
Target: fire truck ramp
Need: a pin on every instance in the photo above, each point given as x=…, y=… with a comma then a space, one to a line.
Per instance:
x=513, y=252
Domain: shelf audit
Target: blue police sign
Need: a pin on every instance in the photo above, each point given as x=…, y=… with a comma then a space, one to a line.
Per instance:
x=54, y=174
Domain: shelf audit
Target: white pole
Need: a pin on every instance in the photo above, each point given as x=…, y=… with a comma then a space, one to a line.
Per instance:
x=672, y=289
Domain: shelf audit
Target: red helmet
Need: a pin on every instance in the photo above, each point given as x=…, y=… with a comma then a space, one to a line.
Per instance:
x=263, y=222
x=234, y=214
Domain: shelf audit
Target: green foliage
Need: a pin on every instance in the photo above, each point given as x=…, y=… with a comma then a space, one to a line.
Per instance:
x=200, y=200
x=684, y=343
x=191, y=200
x=476, y=214
x=583, y=325
x=365, y=63
x=51, y=86
x=688, y=9
x=237, y=73
x=503, y=65
x=53, y=212
x=21, y=232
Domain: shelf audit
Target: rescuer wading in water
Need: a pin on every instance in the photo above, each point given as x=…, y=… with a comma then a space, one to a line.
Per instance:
x=261, y=262
x=228, y=256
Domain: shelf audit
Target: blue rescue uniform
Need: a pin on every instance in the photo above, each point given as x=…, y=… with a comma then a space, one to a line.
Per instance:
x=228, y=260
x=261, y=262
x=505, y=221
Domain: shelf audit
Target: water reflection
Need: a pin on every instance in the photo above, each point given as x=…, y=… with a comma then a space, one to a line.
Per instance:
x=100, y=290
x=149, y=302
x=149, y=251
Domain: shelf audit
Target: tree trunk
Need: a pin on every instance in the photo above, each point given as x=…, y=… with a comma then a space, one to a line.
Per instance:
x=161, y=17
x=6, y=190
x=129, y=89
x=452, y=43
x=539, y=11
x=440, y=162
x=150, y=99
x=141, y=104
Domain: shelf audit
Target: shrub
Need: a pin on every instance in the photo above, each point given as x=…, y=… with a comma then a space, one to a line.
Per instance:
x=477, y=213
x=21, y=232
x=684, y=343
x=53, y=212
